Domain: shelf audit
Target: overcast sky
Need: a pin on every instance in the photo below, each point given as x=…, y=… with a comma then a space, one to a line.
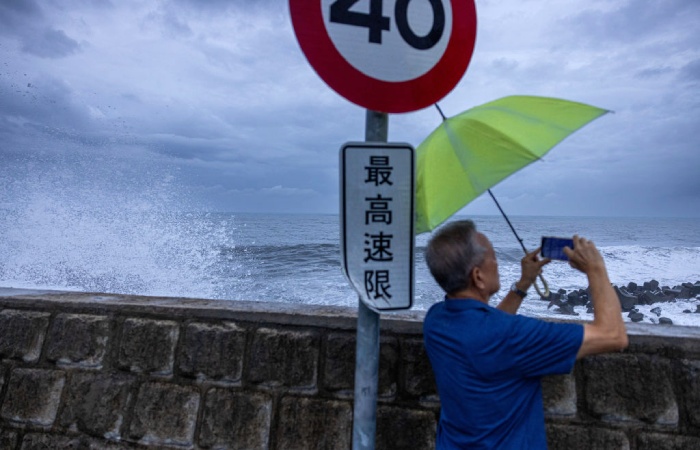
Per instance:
x=212, y=105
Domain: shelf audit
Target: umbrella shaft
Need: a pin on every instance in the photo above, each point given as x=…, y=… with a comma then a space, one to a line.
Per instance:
x=508, y=221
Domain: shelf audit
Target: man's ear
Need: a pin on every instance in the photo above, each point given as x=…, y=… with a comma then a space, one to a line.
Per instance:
x=478, y=278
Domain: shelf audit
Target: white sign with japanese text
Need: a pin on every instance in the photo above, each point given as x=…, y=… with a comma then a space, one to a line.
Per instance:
x=376, y=219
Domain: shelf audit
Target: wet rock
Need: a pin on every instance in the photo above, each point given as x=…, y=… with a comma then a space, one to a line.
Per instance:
x=630, y=296
x=646, y=298
x=672, y=293
x=560, y=300
x=627, y=300
x=685, y=292
x=583, y=299
x=576, y=299
x=665, y=321
x=649, y=298
x=652, y=285
x=567, y=309
x=694, y=288
x=554, y=300
x=548, y=297
x=635, y=316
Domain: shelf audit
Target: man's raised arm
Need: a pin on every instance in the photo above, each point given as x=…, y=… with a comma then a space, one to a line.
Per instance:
x=607, y=332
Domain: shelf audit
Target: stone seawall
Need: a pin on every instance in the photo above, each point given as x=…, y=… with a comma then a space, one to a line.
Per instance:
x=99, y=371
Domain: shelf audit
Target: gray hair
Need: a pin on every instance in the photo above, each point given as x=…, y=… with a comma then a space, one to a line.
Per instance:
x=452, y=253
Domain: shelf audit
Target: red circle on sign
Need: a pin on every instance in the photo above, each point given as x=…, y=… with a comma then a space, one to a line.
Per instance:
x=380, y=95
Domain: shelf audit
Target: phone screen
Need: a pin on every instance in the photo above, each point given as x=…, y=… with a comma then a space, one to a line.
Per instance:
x=553, y=247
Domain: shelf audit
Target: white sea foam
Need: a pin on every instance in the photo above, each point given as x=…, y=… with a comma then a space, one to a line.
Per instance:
x=676, y=311
x=667, y=265
x=89, y=227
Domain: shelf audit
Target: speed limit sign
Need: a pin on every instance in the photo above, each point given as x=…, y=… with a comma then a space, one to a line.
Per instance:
x=387, y=55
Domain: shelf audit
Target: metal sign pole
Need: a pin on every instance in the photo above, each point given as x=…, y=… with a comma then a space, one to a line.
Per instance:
x=364, y=424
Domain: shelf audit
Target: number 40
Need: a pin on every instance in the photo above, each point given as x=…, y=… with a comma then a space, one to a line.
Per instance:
x=375, y=22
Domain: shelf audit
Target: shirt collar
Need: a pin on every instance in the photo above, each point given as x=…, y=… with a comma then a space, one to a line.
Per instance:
x=462, y=304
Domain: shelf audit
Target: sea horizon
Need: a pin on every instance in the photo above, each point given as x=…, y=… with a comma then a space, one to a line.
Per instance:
x=295, y=257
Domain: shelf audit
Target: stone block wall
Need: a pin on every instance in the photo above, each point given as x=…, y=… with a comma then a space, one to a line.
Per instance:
x=98, y=371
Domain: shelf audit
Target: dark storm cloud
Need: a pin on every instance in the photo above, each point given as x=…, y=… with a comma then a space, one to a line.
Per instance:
x=172, y=25
x=43, y=100
x=15, y=14
x=225, y=5
x=49, y=43
x=175, y=16
x=27, y=23
x=221, y=90
x=654, y=72
x=634, y=20
x=690, y=72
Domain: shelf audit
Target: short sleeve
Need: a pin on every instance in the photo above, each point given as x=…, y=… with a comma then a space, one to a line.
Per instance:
x=539, y=348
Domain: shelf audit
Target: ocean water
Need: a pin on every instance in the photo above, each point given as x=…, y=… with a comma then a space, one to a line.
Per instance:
x=295, y=258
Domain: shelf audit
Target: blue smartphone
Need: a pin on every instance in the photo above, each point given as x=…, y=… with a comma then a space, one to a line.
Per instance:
x=553, y=247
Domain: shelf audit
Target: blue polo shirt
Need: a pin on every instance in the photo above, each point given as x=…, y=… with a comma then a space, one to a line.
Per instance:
x=488, y=365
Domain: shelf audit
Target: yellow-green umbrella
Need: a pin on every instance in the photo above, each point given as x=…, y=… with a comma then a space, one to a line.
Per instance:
x=471, y=152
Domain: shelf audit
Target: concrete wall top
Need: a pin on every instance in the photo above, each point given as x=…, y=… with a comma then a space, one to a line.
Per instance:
x=407, y=322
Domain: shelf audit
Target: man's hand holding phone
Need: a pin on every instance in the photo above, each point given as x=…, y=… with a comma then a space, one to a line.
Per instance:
x=553, y=247
x=584, y=256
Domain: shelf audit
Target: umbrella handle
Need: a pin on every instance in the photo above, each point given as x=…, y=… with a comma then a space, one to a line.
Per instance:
x=546, y=287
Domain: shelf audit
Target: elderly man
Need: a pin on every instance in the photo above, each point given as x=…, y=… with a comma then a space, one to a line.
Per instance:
x=488, y=361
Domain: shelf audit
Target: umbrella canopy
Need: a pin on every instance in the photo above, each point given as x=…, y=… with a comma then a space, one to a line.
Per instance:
x=471, y=152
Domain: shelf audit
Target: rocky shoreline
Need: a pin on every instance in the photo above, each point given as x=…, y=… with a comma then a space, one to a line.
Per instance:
x=630, y=296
